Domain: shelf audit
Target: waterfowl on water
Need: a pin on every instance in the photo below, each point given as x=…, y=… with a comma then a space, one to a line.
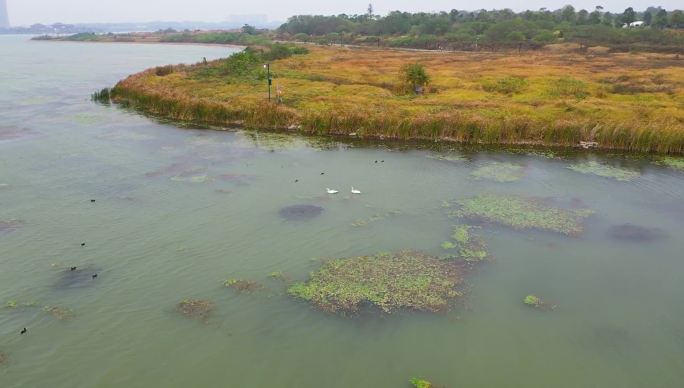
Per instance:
x=82, y=244
x=354, y=191
x=92, y=201
x=331, y=191
x=73, y=269
x=24, y=331
x=95, y=276
x=322, y=173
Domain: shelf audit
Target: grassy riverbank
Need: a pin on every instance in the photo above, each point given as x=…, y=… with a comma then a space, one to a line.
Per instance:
x=621, y=101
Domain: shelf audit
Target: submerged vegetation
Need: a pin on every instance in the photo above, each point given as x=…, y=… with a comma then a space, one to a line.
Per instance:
x=59, y=312
x=636, y=233
x=521, y=213
x=361, y=222
x=241, y=285
x=195, y=308
x=499, y=172
x=563, y=100
x=471, y=247
x=386, y=281
x=300, y=212
x=605, y=171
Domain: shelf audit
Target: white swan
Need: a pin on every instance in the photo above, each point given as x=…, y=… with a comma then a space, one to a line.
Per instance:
x=354, y=191
x=331, y=191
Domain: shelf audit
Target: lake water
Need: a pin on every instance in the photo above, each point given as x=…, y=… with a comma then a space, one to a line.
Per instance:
x=180, y=210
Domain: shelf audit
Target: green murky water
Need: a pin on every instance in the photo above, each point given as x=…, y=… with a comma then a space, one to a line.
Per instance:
x=179, y=211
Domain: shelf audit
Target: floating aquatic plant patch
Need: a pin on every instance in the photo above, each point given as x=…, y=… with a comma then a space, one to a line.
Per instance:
x=361, y=222
x=606, y=171
x=538, y=303
x=471, y=247
x=499, y=172
x=386, y=281
x=240, y=285
x=4, y=359
x=521, y=213
x=420, y=383
x=300, y=212
x=672, y=162
x=636, y=233
x=195, y=308
x=60, y=313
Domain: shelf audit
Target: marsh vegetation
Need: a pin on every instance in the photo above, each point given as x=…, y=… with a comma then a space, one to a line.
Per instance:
x=546, y=98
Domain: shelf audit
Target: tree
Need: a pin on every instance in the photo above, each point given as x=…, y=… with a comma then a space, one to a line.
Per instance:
x=660, y=19
x=370, y=11
x=677, y=19
x=250, y=30
x=608, y=19
x=595, y=17
x=629, y=16
x=414, y=76
x=582, y=16
x=648, y=18
x=568, y=13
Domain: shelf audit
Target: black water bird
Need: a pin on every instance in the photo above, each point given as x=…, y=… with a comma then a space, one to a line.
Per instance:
x=376, y=161
x=82, y=244
x=322, y=173
x=24, y=331
x=95, y=276
x=92, y=201
x=73, y=269
x=296, y=180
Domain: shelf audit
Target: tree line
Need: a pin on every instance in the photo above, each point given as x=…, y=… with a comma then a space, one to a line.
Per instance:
x=661, y=30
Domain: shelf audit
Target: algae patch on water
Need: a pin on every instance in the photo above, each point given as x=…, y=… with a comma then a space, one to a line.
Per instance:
x=195, y=308
x=499, y=172
x=386, y=281
x=672, y=162
x=241, y=285
x=471, y=247
x=521, y=213
x=605, y=171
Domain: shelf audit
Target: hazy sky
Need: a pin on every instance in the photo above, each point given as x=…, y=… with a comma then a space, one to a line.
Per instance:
x=24, y=12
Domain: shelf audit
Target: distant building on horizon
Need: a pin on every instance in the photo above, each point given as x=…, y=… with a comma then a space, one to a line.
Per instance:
x=4, y=15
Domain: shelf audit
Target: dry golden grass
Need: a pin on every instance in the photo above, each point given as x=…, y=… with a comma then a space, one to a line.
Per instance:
x=622, y=101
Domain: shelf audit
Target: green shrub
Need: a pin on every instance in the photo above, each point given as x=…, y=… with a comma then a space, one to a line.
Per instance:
x=508, y=85
x=568, y=87
x=162, y=71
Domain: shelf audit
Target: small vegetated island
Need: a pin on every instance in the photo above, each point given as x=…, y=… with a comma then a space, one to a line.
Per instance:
x=561, y=78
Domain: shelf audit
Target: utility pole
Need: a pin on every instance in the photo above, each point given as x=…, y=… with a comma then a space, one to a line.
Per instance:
x=269, y=80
